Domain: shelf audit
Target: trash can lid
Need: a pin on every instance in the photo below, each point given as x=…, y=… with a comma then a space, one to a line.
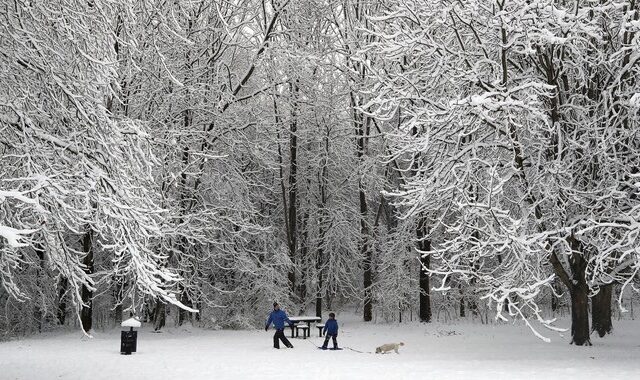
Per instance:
x=131, y=322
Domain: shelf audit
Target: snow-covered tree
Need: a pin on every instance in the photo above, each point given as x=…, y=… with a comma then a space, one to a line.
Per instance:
x=518, y=117
x=73, y=170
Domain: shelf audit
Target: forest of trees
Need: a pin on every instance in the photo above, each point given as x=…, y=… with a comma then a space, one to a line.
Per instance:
x=192, y=161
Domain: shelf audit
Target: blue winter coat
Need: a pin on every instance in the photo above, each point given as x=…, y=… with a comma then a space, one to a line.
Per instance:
x=331, y=327
x=278, y=317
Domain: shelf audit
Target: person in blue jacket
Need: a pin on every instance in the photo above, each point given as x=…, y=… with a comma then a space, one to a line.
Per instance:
x=278, y=317
x=331, y=329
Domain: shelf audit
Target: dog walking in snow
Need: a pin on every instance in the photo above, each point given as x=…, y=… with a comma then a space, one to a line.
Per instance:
x=388, y=348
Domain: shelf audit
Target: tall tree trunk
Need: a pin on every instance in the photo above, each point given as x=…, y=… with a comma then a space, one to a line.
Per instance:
x=118, y=293
x=182, y=242
x=366, y=254
x=198, y=315
x=117, y=314
x=365, y=249
x=293, y=184
x=601, y=311
x=319, y=285
x=185, y=299
x=304, y=259
x=320, y=265
x=291, y=275
x=555, y=303
x=462, y=304
x=61, y=313
x=579, y=291
x=322, y=208
x=86, y=314
x=159, y=315
x=356, y=11
x=186, y=203
x=38, y=311
x=580, y=316
x=184, y=315
x=425, y=260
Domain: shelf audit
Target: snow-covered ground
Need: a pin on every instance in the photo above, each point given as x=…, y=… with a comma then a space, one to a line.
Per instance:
x=433, y=351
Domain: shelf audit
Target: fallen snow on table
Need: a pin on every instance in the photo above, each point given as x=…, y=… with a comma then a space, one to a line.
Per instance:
x=432, y=351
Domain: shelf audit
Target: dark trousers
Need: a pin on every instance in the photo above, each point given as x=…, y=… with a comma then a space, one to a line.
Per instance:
x=280, y=335
x=326, y=340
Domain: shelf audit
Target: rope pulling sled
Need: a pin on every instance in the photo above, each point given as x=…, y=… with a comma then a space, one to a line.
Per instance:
x=347, y=348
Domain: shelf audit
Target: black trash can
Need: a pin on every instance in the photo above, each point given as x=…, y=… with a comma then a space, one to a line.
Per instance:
x=129, y=339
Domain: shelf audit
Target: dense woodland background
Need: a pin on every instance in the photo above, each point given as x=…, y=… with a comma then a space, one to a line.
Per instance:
x=413, y=159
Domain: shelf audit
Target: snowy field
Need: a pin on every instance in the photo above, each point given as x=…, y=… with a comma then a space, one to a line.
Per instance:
x=435, y=351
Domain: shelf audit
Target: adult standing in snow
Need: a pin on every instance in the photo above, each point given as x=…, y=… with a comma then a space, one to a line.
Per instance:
x=278, y=317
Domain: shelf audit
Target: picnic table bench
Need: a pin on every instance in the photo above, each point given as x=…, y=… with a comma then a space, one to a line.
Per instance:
x=305, y=319
x=305, y=329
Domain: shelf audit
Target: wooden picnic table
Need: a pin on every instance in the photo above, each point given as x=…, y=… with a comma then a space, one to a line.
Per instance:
x=305, y=319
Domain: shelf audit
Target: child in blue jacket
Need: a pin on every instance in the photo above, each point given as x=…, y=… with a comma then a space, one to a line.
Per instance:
x=331, y=329
x=278, y=317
